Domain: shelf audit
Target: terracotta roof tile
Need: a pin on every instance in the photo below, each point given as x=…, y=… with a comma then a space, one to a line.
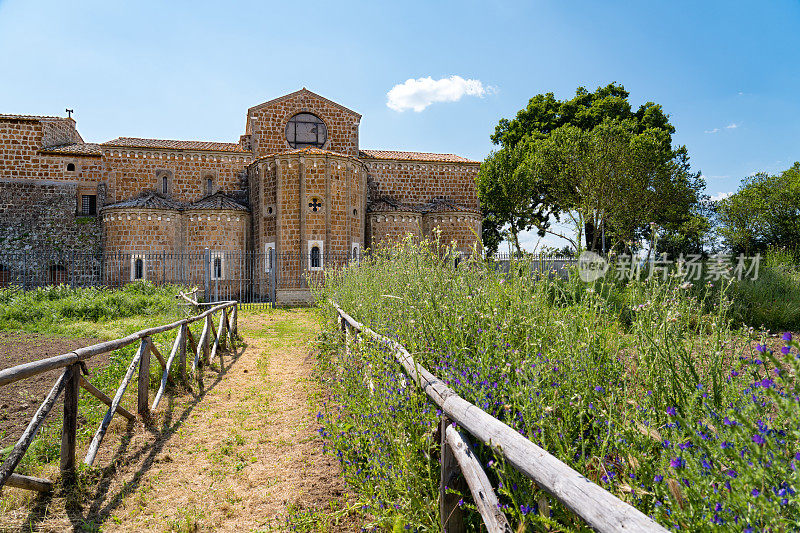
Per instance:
x=167, y=144
x=76, y=149
x=414, y=156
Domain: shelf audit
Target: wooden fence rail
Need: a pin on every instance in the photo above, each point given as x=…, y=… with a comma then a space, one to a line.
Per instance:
x=600, y=509
x=72, y=379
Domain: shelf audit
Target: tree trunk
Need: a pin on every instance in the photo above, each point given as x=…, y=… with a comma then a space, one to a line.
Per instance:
x=515, y=239
x=590, y=236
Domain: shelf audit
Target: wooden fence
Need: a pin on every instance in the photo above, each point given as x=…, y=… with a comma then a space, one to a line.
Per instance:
x=601, y=510
x=204, y=350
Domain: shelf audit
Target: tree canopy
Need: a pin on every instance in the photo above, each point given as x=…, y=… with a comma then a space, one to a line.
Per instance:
x=610, y=169
x=763, y=213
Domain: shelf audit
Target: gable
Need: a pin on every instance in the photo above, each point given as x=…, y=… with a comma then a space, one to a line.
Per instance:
x=302, y=94
x=269, y=124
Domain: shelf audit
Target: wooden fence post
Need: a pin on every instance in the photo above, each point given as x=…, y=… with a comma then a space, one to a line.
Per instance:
x=207, y=346
x=183, y=333
x=223, y=329
x=450, y=511
x=69, y=428
x=143, y=399
x=236, y=320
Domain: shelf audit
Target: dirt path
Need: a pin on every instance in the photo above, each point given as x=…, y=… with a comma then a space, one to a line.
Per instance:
x=245, y=456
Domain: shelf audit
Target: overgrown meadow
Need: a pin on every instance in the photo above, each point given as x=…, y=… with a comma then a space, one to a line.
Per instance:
x=646, y=388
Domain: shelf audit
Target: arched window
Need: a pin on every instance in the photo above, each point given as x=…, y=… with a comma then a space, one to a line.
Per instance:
x=57, y=274
x=315, y=257
x=70, y=167
x=138, y=268
x=209, y=185
x=164, y=184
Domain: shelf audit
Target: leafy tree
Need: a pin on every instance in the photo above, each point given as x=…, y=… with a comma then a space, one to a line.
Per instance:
x=510, y=197
x=610, y=169
x=763, y=213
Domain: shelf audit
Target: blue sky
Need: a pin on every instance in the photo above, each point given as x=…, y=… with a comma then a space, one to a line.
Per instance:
x=726, y=72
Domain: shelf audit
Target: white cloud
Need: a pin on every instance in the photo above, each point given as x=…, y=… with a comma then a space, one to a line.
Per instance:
x=731, y=126
x=417, y=94
x=720, y=196
x=715, y=130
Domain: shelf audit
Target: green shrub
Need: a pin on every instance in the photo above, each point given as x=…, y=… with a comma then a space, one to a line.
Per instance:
x=772, y=300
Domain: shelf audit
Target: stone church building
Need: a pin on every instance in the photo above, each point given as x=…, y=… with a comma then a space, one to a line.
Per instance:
x=296, y=184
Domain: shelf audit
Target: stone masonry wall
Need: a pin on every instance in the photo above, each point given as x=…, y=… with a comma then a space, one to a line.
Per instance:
x=389, y=227
x=418, y=182
x=459, y=227
x=141, y=230
x=20, y=141
x=40, y=215
x=59, y=131
x=133, y=171
x=267, y=124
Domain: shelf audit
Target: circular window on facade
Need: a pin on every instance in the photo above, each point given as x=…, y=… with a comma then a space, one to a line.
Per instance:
x=315, y=204
x=305, y=130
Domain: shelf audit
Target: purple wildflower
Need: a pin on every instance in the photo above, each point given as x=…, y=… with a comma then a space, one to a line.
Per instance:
x=677, y=463
x=787, y=336
x=671, y=411
x=761, y=348
x=758, y=439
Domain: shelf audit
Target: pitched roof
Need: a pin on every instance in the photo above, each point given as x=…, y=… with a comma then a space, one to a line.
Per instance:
x=147, y=200
x=150, y=199
x=218, y=200
x=296, y=93
x=387, y=203
x=75, y=149
x=308, y=151
x=168, y=144
x=445, y=204
x=414, y=156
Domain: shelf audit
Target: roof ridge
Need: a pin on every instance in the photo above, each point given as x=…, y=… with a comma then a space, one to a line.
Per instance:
x=172, y=140
x=174, y=144
x=295, y=93
x=406, y=155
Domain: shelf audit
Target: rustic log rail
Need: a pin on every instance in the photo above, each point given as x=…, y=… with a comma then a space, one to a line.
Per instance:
x=72, y=378
x=600, y=509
